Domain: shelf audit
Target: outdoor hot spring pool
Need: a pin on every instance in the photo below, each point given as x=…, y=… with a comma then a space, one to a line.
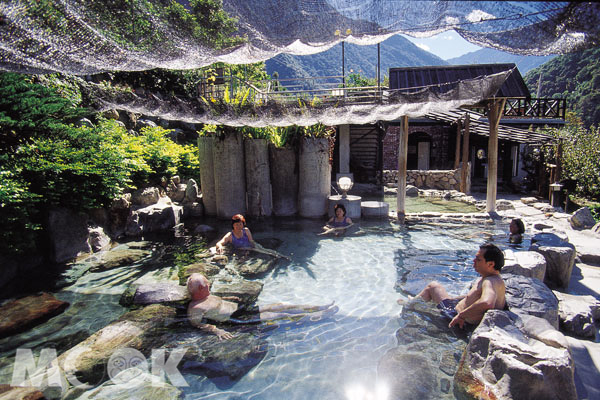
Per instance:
x=336, y=358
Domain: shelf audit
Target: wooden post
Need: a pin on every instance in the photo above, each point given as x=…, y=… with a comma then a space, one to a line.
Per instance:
x=465, y=156
x=402, y=158
x=495, y=109
x=559, y=156
x=457, y=152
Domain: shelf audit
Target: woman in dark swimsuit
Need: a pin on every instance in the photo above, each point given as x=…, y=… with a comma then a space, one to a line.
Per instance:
x=239, y=237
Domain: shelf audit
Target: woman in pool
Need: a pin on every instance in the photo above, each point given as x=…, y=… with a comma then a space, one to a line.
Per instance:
x=239, y=237
x=517, y=229
x=339, y=223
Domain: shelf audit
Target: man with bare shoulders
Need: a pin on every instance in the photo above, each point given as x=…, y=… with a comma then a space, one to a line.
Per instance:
x=487, y=293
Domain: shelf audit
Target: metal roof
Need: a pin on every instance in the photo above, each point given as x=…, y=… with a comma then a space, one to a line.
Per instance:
x=479, y=125
x=419, y=77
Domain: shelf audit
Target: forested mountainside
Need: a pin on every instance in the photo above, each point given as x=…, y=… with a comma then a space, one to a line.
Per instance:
x=491, y=56
x=395, y=52
x=575, y=77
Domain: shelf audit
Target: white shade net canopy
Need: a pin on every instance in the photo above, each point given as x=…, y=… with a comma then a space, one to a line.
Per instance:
x=89, y=37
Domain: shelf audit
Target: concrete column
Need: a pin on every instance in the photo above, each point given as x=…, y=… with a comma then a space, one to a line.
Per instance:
x=344, y=153
x=284, y=180
x=402, y=159
x=207, y=174
x=230, y=178
x=258, y=181
x=495, y=110
x=314, y=183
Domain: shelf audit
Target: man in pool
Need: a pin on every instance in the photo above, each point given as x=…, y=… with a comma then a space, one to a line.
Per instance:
x=223, y=309
x=488, y=292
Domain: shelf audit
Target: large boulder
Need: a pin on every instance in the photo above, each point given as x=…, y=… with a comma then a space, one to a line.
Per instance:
x=582, y=219
x=530, y=296
x=524, y=263
x=513, y=357
x=25, y=313
x=145, y=196
x=68, y=234
x=559, y=255
x=119, y=257
x=247, y=291
x=578, y=314
x=191, y=192
x=98, y=239
x=160, y=292
x=161, y=216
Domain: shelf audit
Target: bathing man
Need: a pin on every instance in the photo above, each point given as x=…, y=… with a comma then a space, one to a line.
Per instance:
x=223, y=309
x=488, y=292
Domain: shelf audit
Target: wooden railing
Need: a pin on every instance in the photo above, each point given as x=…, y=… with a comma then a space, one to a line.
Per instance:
x=534, y=108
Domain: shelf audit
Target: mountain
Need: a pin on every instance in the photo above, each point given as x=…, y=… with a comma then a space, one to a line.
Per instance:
x=574, y=76
x=395, y=52
x=493, y=56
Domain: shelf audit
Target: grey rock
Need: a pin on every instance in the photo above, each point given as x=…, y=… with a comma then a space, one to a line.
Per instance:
x=525, y=263
x=529, y=200
x=160, y=292
x=247, y=291
x=578, y=314
x=503, y=205
x=412, y=191
x=560, y=258
x=145, y=123
x=68, y=234
x=98, y=239
x=155, y=218
x=530, y=296
x=516, y=362
x=582, y=219
x=119, y=258
x=176, y=192
x=191, y=192
x=145, y=197
x=85, y=122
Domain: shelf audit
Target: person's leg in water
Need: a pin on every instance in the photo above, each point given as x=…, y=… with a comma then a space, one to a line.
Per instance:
x=277, y=311
x=434, y=292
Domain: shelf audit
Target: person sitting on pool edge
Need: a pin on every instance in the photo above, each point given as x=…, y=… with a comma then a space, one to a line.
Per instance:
x=488, y=292
x=223, y=309
x=338, y=223
x=239, y=237
x=517, y=229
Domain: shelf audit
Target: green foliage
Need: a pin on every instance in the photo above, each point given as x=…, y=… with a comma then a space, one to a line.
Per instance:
x=580, y=155
x=46, y=161
x=356, y=80
x=574, y=76
x=595, y=210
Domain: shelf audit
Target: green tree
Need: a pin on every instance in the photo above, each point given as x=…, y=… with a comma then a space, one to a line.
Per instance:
x=580, y=155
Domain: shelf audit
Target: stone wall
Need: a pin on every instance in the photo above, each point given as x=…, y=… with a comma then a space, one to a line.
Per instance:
x=442, y=145
x=430, y=179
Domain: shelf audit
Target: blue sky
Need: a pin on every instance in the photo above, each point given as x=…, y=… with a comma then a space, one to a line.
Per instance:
x=445, y=45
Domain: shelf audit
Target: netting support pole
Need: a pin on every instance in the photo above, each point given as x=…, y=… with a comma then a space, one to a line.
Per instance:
x=464, y=173
x=402, y=158
x=457, y=152
x=495, y=109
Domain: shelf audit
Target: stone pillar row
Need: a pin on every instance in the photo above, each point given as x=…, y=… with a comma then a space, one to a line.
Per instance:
x=255, y=178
